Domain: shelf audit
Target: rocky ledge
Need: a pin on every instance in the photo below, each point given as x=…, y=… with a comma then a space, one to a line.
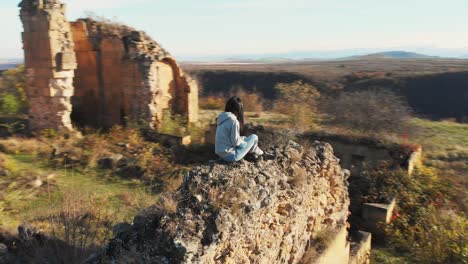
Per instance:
x=269, y=211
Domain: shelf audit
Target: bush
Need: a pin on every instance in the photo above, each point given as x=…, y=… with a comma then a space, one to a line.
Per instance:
x=421, y=228
x=252, y=101
x=10, y=104
x=299, y=101
x=212, y=103
x=13, y=98
x=107, y=27
x=81, y=219
x=434, y=236
x=173, y=124
x=371, y=111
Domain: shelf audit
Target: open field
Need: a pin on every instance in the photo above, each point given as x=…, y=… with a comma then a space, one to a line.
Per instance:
x=89, y=183
x=434, y=88
x=23, y=202
x=336, y=68
x=445, y=146
x=331, y=73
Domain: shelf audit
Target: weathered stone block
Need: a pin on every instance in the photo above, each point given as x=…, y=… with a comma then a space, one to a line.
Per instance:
x=68, y=57
x=361, y=250
x=336, y=250
x=376, y=215
x=61, y=87
x=415, y=160
x=378, y=212
x=63, y=74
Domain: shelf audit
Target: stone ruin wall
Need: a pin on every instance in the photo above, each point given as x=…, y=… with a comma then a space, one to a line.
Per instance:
x=98, y=74
x=365, y=154
x=50, y=63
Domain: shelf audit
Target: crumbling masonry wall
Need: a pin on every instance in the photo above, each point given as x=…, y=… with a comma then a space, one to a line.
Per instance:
x=115, y=73
x=50, y=63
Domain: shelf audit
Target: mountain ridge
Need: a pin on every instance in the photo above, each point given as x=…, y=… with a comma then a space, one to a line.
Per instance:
x=397, y=54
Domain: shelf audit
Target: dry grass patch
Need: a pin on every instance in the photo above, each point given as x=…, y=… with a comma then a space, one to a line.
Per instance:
x=168, y=203
x=19, y=145
x=299, y=177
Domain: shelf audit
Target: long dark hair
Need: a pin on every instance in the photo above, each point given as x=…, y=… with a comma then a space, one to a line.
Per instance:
x=235, y=106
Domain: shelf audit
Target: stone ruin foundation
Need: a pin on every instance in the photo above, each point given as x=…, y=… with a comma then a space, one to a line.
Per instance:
x=98, y=73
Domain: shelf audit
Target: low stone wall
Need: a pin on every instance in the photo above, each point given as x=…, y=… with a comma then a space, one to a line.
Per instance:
x=360, y=252
x=359, y=154
x=376, y=215
x=336, y=249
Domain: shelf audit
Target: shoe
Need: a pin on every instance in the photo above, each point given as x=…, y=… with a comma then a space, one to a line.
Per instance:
x=268, y=156
x=252, y=157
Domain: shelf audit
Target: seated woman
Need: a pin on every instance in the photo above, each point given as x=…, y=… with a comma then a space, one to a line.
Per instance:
x=229, y=144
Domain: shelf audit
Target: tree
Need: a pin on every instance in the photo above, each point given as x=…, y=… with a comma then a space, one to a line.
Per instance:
x=251, y=100
x=299, y=101
x=13, y=98
x=368, y=111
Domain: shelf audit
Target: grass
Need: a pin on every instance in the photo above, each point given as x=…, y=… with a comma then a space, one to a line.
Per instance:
x=445, y=148
x=385, y=256
x=56, y=183
x=442, y=140
x=22, y=203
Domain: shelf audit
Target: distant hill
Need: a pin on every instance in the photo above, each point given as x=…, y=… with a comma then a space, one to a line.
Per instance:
x=393, y=55
x=6, y=64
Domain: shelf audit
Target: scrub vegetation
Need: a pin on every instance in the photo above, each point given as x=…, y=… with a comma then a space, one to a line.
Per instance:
x=77, y=186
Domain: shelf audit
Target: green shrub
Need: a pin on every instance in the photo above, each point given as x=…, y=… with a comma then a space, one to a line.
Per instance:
x=421, y=229
x=299, y=101
x=173, y=124
x=10, y=104
x=13, y=98
x=432, y=235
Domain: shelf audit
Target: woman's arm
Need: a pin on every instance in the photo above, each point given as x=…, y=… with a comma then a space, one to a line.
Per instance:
x=236, y=138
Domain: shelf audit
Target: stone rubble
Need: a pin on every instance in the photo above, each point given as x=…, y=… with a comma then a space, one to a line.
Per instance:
x=264, y=212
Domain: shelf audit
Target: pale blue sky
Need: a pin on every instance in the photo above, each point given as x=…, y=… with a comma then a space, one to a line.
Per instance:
x=213, y=27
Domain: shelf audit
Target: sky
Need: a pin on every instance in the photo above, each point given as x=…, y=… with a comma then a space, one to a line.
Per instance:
x=203, y=28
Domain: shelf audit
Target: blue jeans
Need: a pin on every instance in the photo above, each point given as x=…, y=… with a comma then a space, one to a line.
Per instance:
x=249, y=145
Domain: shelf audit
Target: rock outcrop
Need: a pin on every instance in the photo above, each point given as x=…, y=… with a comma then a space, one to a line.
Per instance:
x=269, y=211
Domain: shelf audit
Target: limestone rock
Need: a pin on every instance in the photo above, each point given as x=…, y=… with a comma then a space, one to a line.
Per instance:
x=3, y=249
x=240, y=213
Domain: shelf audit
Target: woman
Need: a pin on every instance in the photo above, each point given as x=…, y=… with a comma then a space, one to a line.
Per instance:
x=229, y=144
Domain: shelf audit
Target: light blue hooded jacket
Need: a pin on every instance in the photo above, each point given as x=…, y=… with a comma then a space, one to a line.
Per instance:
x=227, y=134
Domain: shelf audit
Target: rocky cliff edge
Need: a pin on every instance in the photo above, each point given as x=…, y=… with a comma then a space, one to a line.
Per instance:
x=248, y=212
